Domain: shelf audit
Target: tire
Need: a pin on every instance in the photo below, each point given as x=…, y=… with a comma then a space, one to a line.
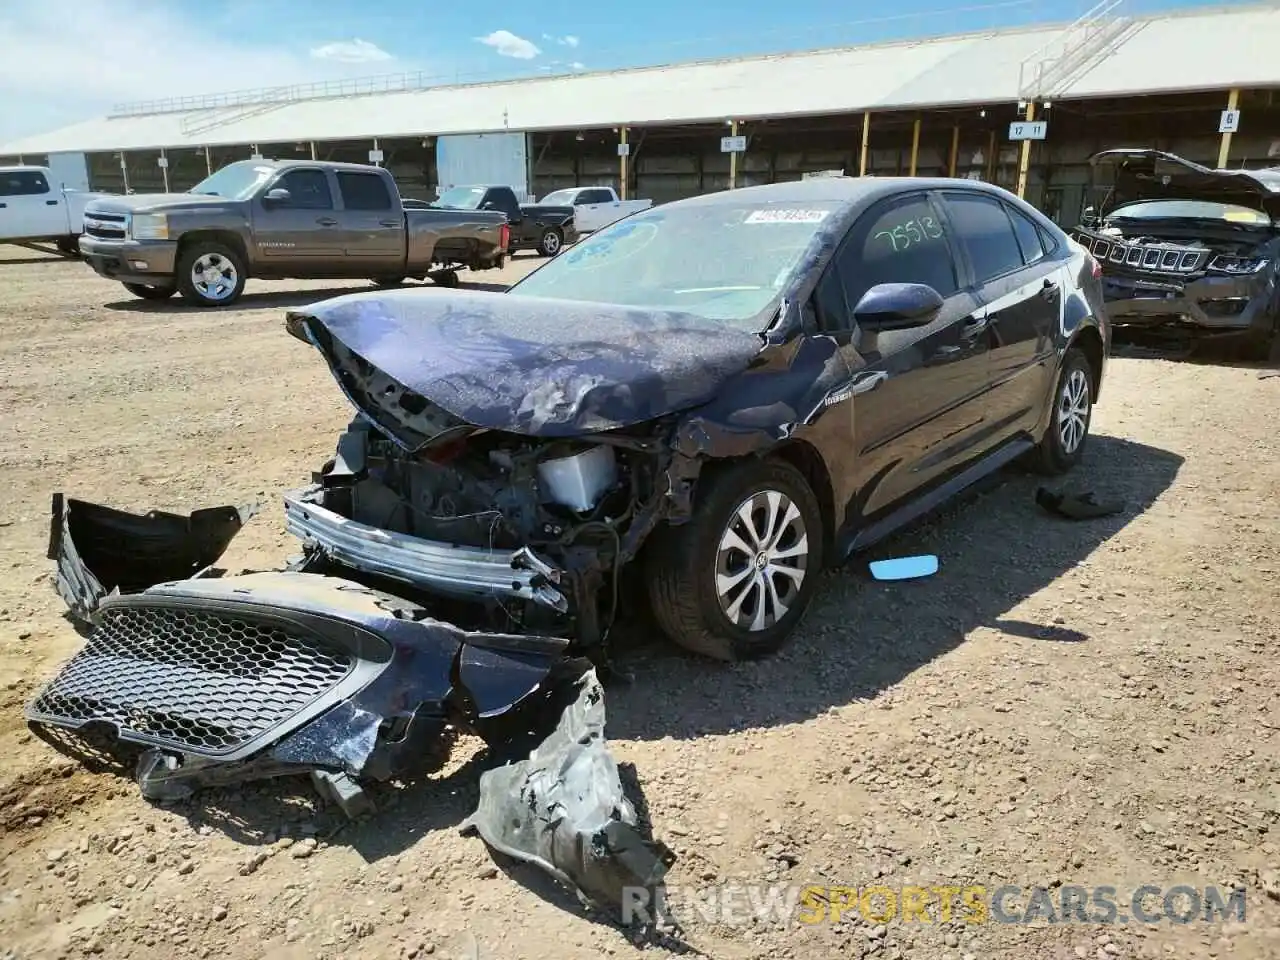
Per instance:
x=200, y=263
x=149, y=291
x=683, y=563
x=1061, y=448
x=69, y=247
x=388, y=281
x=445, y=278
x=551, y=242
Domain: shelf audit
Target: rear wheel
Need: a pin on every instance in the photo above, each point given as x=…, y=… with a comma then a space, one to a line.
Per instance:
x=733, y=583
x=1063, y=443
x=149, y=291
x=445, y=278
x=550, y=242
x=210, y=274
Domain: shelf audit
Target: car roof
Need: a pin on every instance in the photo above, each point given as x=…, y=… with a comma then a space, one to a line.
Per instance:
x=846, y=191
x=291, y=162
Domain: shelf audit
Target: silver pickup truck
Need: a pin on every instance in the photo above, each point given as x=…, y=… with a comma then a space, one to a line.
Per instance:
x=277, y=219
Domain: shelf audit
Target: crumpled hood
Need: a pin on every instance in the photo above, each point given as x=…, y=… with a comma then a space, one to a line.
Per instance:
x=528, y=365
x=1156, y=175
x=148, y=202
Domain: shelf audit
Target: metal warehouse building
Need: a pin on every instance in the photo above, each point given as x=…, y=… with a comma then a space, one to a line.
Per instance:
x=1200, y=83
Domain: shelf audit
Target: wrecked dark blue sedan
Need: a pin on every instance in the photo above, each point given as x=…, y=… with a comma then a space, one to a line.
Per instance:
x=708, y=401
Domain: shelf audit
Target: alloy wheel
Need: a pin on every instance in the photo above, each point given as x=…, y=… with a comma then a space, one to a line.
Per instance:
x=761, y=561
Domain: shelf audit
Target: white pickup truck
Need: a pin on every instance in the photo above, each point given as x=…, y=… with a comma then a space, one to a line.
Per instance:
x=594, y=207
x=35, y=209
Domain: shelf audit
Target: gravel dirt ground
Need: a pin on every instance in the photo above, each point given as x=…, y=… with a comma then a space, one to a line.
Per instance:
x=1064, y=704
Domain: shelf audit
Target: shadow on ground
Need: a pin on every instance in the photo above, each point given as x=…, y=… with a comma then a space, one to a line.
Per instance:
x=995, y=547
x=1217, y=352
x=277, y=299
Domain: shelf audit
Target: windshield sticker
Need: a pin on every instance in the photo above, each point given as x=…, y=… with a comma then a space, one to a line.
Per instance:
x=910, y=233
x=773, y=215
x=1243, y=216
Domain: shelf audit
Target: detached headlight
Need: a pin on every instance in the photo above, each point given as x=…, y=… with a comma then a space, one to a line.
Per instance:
x=149, y=226
x=1237, y=265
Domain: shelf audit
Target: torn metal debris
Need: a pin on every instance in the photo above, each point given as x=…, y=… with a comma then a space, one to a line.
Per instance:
x=564, y=809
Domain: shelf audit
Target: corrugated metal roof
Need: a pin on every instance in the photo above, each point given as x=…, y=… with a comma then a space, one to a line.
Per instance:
x=1197, y=50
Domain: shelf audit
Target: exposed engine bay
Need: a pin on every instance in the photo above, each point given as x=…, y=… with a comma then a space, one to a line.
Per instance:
x=563, y=513
x=1185, y=249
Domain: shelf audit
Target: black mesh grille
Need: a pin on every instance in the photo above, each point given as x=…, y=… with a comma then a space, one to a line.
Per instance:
x=199, y=680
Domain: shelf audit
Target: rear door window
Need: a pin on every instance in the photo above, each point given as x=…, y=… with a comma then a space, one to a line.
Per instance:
x=23, y=183
x=594, y=196
x=983, y=228
x=364, y=191
x=1029, y=236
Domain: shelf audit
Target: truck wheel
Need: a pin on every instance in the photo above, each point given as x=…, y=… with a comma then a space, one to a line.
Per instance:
x=445, y=278
x=210, y=274
x=69, y=247
x=550, y=242
x=734, y=581
x=388, y=281
x=148, y=291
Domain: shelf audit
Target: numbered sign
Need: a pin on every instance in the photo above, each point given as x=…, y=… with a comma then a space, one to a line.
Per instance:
x=624, y=149
x=375, y=156
x=733, y=144
x=163, y=163
x=1229, y=122
x=1028, y=129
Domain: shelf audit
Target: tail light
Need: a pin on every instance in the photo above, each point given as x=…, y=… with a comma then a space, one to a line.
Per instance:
x=504, y=237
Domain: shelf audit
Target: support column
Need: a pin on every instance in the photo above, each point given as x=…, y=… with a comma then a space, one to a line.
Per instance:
x=312, y=144
x=208, y=162
x=622, y=164
x=915, y=146
x=376, y=163
x=733, y=157
x=164, y=169
x=1024, y=159
x=866, y=143
x=991, y=157
x=954, y=159
x=1224, y=149
x=124, y=170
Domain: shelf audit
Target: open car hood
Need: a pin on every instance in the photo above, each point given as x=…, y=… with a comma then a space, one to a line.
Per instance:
x=420, y=362
x=1156, y=175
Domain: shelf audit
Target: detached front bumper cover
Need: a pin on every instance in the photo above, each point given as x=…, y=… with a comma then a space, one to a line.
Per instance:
x=215, y=681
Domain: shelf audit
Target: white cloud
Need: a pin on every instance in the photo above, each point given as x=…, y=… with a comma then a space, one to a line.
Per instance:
x=578, y=66
x=507, y=44
x=566, y=41
x=154, y=52
x=351, y=51
x=569, y=41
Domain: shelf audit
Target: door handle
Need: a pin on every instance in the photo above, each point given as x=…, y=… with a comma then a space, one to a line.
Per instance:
x=973, y=326
x=327, y=222
x=51, y=203
x=390, y=223
x=1049, y=290
x=3, y=205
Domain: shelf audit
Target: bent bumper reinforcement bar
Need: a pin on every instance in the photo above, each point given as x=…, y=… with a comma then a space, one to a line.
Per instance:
x=467, y=572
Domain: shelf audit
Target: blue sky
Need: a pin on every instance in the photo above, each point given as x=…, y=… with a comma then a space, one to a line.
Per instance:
x=64, y=63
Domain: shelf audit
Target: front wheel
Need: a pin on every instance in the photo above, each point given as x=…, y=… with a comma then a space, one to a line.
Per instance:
x=210, y=274
x=1063, y=443
x=733, y=582
x=550, y=242
x=149, y=291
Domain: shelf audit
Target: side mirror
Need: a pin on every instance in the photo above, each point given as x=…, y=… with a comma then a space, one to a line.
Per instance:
x=897, y=306
x=488, y=205
x=1089, y=217
x=277, y=195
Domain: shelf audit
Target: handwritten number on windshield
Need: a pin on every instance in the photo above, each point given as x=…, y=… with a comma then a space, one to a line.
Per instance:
x=912, y=232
